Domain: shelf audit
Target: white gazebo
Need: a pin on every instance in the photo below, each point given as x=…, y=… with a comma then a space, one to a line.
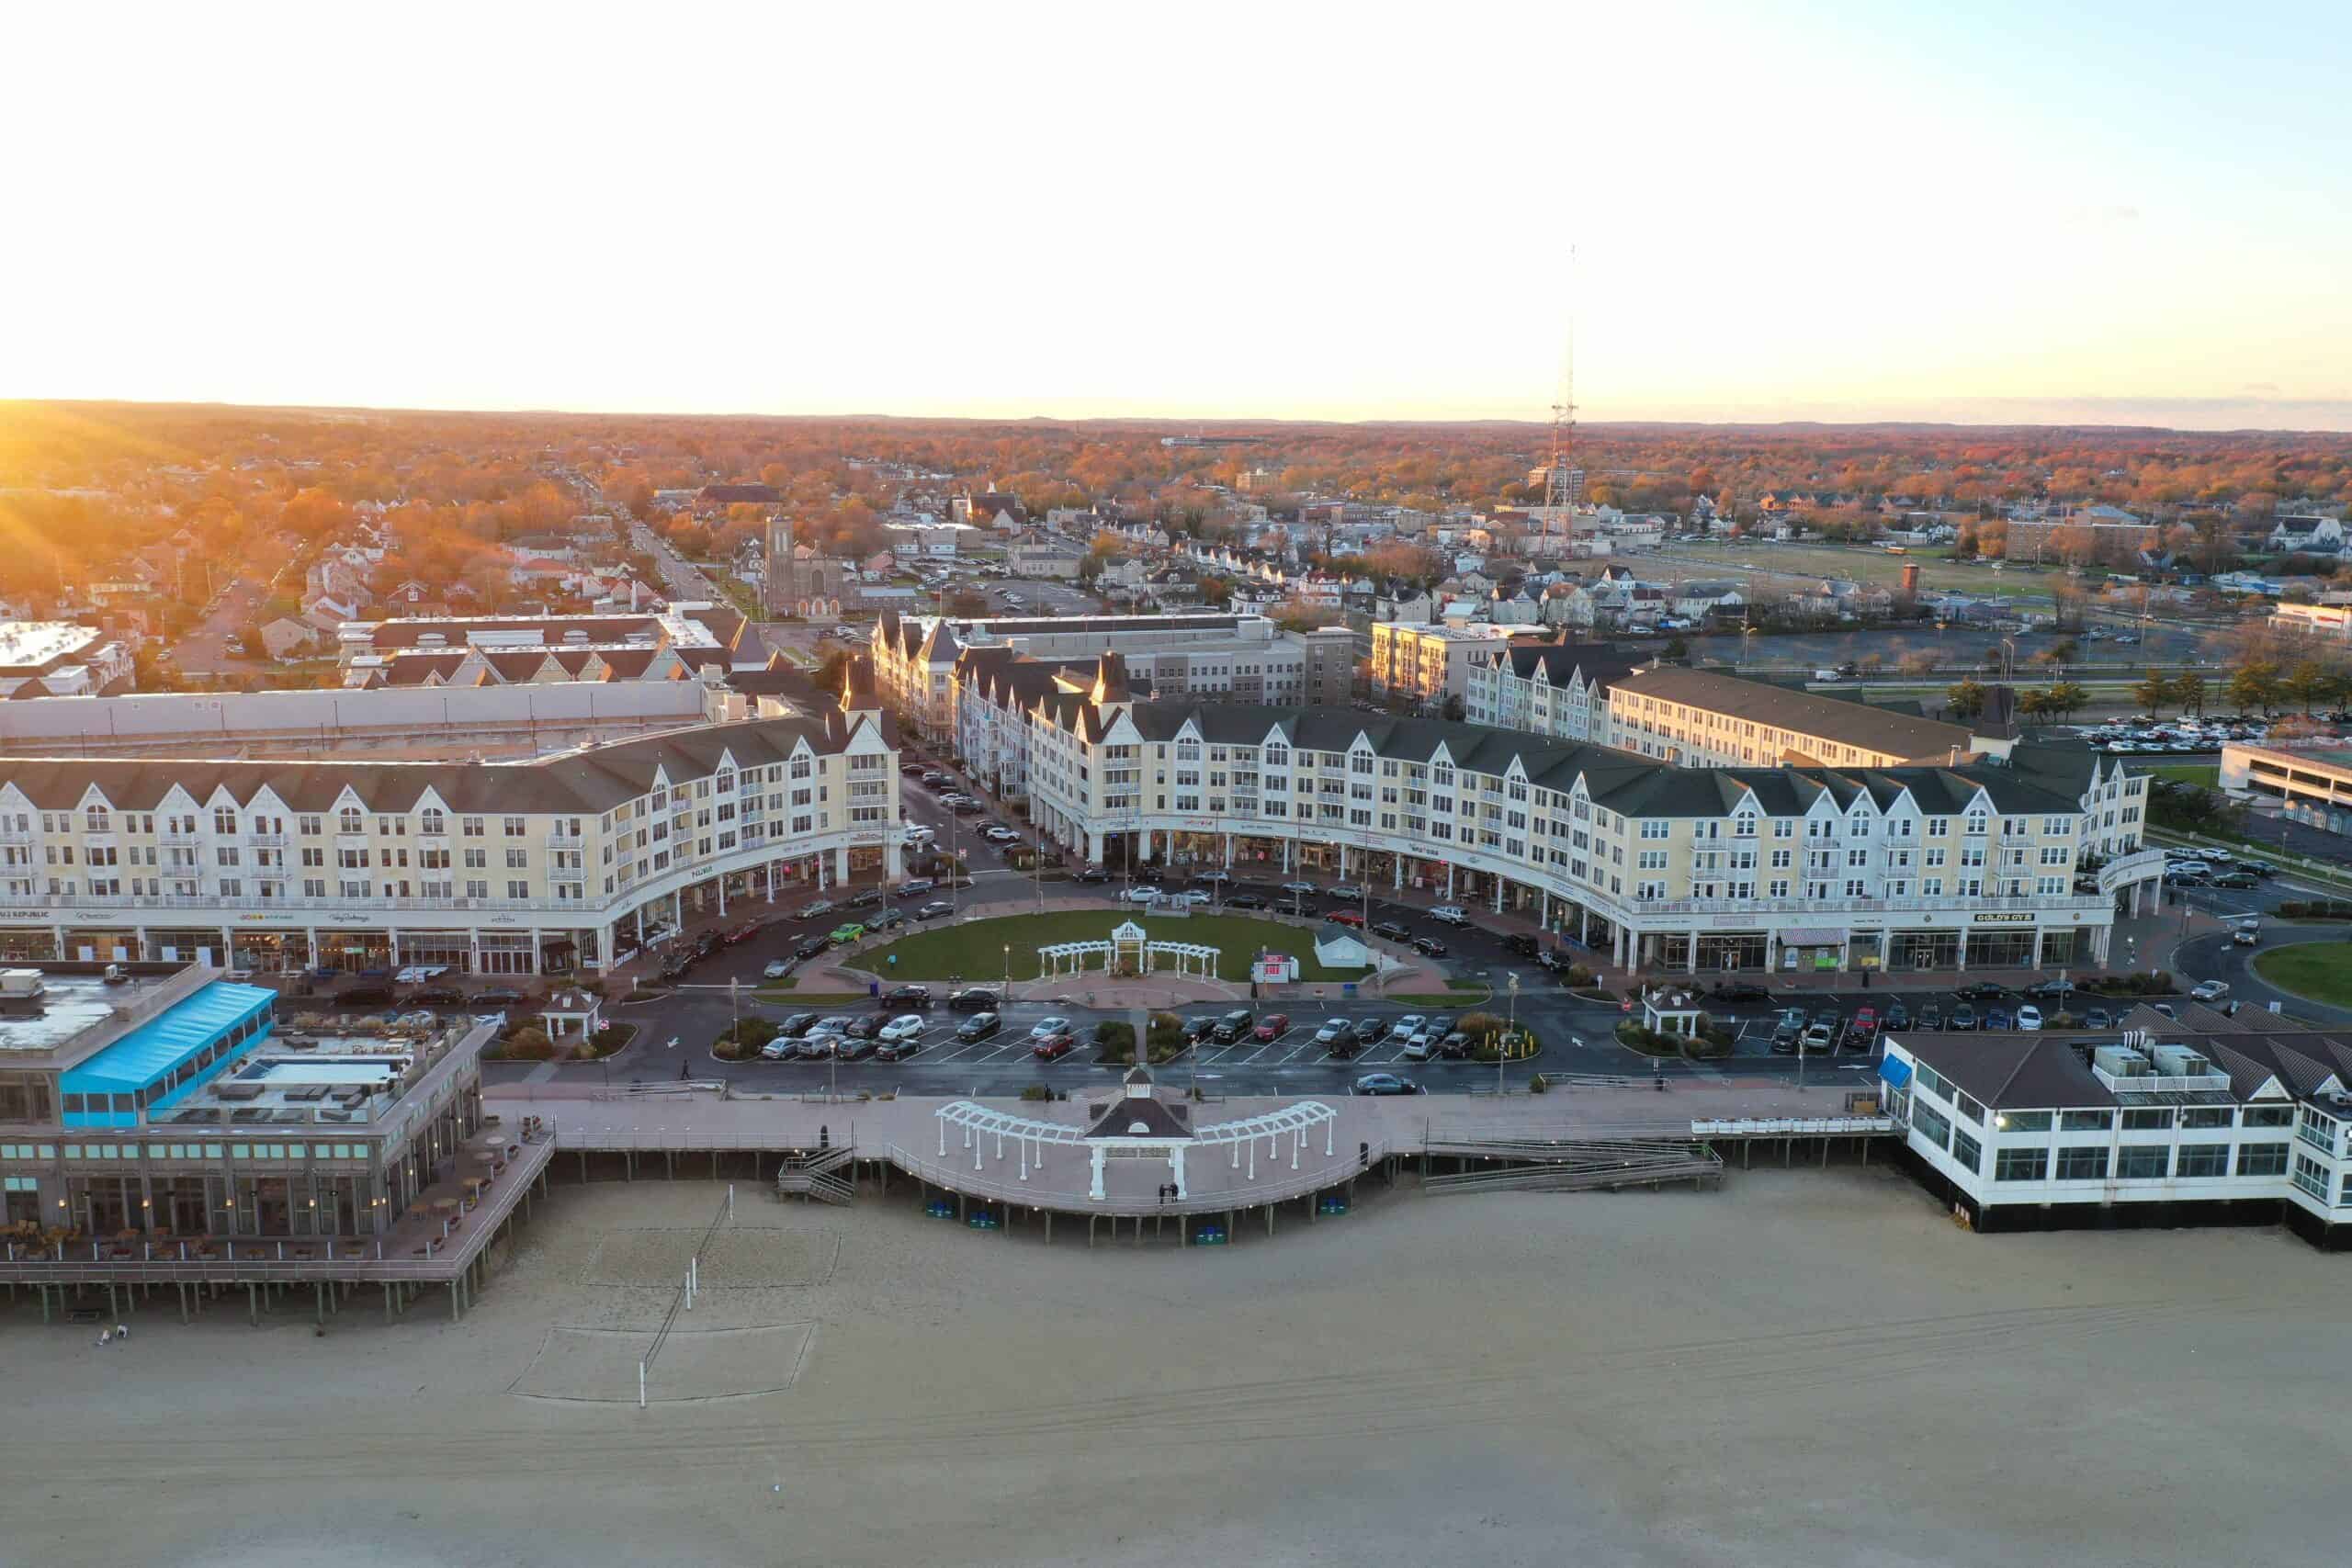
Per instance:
x=568, y=1013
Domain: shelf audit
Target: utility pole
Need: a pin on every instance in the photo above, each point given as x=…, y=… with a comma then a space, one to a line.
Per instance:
x=1511, y=1030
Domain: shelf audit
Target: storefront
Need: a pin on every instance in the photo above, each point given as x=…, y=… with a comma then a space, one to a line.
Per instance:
x=450, y=949
x=1924, y=950
x=1732, y=950
x=507, y=953
x=1816, y=948
x=94, y=944
x=353, y=949
x=201, y=946
x=2002, y=946
x=265, y=951
x=22, y=942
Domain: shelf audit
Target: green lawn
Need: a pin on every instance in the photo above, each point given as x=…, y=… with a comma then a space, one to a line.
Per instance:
x=2319, y=970
x=976, y=950
x=2208, y=775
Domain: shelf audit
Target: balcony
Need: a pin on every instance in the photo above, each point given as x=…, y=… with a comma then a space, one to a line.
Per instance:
x=266, y=841
x=2080, y=903
x=567, y=841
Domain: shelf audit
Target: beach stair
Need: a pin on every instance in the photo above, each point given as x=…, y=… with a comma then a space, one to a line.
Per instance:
x=1500, y=1165
x=817, y=1178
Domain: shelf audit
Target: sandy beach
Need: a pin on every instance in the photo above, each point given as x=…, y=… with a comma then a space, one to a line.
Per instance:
x=1807, y=1366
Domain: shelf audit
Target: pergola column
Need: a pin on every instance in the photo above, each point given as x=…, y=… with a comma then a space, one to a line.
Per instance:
x=1176, y=1165
x=1094, y=1188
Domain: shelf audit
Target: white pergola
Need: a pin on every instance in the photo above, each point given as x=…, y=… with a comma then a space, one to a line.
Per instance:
x=1031, y=1135
x=1125, y=938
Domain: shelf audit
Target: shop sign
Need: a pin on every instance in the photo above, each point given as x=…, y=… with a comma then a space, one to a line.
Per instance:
x=41, y=915
x=2004, y=920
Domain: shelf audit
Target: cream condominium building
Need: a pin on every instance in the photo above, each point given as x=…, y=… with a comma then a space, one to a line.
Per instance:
x=563, y=861
x=1710, y=720
x=1557, y=689
x=1654, y=865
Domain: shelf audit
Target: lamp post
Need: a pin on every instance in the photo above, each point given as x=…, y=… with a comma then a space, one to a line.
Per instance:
x=1510, y=1029
x=1008, y=971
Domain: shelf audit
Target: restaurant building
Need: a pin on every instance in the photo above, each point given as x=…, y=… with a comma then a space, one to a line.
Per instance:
x=2168, y=1122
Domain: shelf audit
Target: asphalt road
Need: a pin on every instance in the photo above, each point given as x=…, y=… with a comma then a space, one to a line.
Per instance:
x=203, y=649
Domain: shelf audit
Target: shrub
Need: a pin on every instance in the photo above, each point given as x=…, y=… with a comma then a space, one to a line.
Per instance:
x=1537, y=1085
x=1480, y=1026
x=1579, y=975
x=1037, y=1091
x=529, y=1043
x=1115, y=1034
x=741, y=1042
x=1166, y=1035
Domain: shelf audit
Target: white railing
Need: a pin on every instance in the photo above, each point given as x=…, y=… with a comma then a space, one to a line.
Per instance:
x=2138, y=866
x=1278, y=1188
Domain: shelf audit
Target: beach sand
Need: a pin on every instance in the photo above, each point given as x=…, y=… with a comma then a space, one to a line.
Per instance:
x=1809, y=1367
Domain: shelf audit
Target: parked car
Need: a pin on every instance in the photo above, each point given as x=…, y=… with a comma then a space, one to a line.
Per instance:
x=979, y=1027
x=743, y=933
x=797, y=1024
x=437, y=997
x=1931, y=1017
x=1055, y=1046
x=1337, y=1036
x=856, y=1048
x=1897, y=1015
x=364, y=996
x=2237, y=879
x=886, y=919
x=1047, y=1028
x=498, y=996
x=867, y=1028
x=1143, y=895
x=809, y=947
x=906, y=1026
x=974, y=999
x=1384, y=1083
x=1200, y=1027
x=1865, y=1022
x=1299, y=890
x=1981, y=991
x=2000, y=1018
x=1964, y=1018
x=1738, y=991
x=1427, y=947
x=2098, y=1018
x=1394, y=931
x=917, y=997
x=776, y=969
x=816, y=911
x=846, y=932
x=1348, y=917
x=1245, y=901
x=1403, y=1028
x=1234, y=1026
x=933, y=909
x=2258, y=868
x=2246, y=936
x=1521, y=942
x=1448, y=914
x=2208, y=990
x=1213, y=878
x=867, y=899
x=1816, y=1038
x=1271, y=1028
x=2028, y=1017
x=1094, y=874
x=2050, y=991
x=1346, y=891
x=916, y=886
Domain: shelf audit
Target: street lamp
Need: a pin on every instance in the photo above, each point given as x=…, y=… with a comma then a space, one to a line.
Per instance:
x=1508, y=1032
x=1008, y=971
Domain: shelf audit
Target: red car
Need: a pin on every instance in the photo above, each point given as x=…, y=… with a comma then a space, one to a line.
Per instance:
x=1271, y=1027
x=1346, y=918
x=1866, y=1022
x=743, y=932
x=1056, y=1047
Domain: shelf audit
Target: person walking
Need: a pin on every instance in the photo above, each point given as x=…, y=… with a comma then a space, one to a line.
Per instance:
x=123, y=1331
x=106, y=1337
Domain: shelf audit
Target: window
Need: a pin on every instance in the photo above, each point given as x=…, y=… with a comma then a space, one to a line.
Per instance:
x=2143, y=1162
x=2269, y=1115
x=2085, y=1120
x=2203, y=1159
x=1930, y=1124
x=2021, y=1165
x=2262, y=1159
x=2157, y=1120
x=2198, y=1116
x=2022, y=1121
x=1967, y=1151
x=2083, y=1163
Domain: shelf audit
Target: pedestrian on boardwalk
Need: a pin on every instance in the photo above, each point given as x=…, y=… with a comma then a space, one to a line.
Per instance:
x=123, y=1331
x=106, y=1337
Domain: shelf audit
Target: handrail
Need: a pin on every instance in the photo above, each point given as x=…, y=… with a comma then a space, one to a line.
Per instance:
x=979, y=1184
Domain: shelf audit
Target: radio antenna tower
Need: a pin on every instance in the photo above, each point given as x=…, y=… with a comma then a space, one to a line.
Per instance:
x=1562, y=491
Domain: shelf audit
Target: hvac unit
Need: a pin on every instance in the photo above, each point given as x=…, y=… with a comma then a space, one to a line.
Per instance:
x=2180, y=1062
x=2119, y=1062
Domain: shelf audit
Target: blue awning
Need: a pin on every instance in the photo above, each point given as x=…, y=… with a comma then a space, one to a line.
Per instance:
x=1895, y=1070
x=150, y=1053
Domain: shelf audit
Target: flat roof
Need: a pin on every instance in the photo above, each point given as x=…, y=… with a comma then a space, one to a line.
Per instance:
x=2326, y=756
x=34, y=644
x=70, y=1004
x=152, y=1051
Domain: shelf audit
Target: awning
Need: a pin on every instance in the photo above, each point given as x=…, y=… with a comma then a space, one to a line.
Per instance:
x=1825, y=936
x=1895, y=1070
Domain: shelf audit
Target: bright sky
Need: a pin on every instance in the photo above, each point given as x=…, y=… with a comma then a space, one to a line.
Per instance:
x=1985, y=209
